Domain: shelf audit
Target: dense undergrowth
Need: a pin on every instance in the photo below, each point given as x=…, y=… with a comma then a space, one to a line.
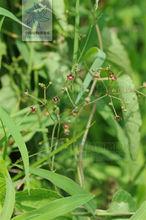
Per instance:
x=72, y=113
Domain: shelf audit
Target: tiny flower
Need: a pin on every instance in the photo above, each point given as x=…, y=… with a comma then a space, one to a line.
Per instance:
x=66, y=128
x=97, y=75
x=112, y=76
x=70, y=77
x=33, y=109
x=56, y=99
x=42, y=85
x=117, y=117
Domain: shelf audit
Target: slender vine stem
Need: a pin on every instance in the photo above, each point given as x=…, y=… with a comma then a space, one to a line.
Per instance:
x=99, y=37
x=80, y=167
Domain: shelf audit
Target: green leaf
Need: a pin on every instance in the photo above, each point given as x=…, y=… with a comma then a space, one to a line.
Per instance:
x=9, y=200
x=122, y=202
x=1, y=22
x=59, y=11
x=14, y=131
x=99, y=60
x=2, y=189
x=132, y=115
x=36, y=198
x=56, y=208
x=8, y=97
x=2, y=51
x=62, y=182
x=24, y=50
x=122, y=205
x=106, y=112
x=6, y=13
x=140, y=213
x=90, y=55
x=115, y=51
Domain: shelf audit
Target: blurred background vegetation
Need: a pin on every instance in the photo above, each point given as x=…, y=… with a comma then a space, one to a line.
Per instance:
x=33, y=72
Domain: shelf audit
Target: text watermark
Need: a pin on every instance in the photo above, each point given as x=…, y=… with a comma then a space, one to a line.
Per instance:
x=37, y=17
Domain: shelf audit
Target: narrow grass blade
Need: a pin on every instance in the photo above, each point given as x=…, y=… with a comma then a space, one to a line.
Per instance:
x=56, y=208
x=6, y=13
x=14, y=131
x=1, y=22
x=9, y=201
x=62, y=182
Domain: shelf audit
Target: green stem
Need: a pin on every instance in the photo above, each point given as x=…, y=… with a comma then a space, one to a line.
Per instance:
x=100, y=212
x=85, y=45
x=76, y=36
x=6, y=139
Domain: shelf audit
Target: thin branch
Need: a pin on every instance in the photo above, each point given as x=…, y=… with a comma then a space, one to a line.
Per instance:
x=99, y=36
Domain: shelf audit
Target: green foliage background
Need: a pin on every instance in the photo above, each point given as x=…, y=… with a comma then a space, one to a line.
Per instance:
x=44, y=115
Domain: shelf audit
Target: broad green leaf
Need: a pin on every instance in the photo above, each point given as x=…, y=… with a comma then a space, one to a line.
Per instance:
x=62, y=182
x=106, y=112
x=54, y=63
x=59, y=11
x=132, y=117
x=24, y=50
x=6, y=13
x=36, y=198
x=140, y=213
x=90, y=55
x=115, y=51
x=122, y=205
x=56, y=208
x=9, y=200
x=122, y=202
x=99, y=60
x=14, y=131
x=8, y=97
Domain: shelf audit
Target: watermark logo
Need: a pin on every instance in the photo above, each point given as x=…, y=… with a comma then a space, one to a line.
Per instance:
x=37, y=16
